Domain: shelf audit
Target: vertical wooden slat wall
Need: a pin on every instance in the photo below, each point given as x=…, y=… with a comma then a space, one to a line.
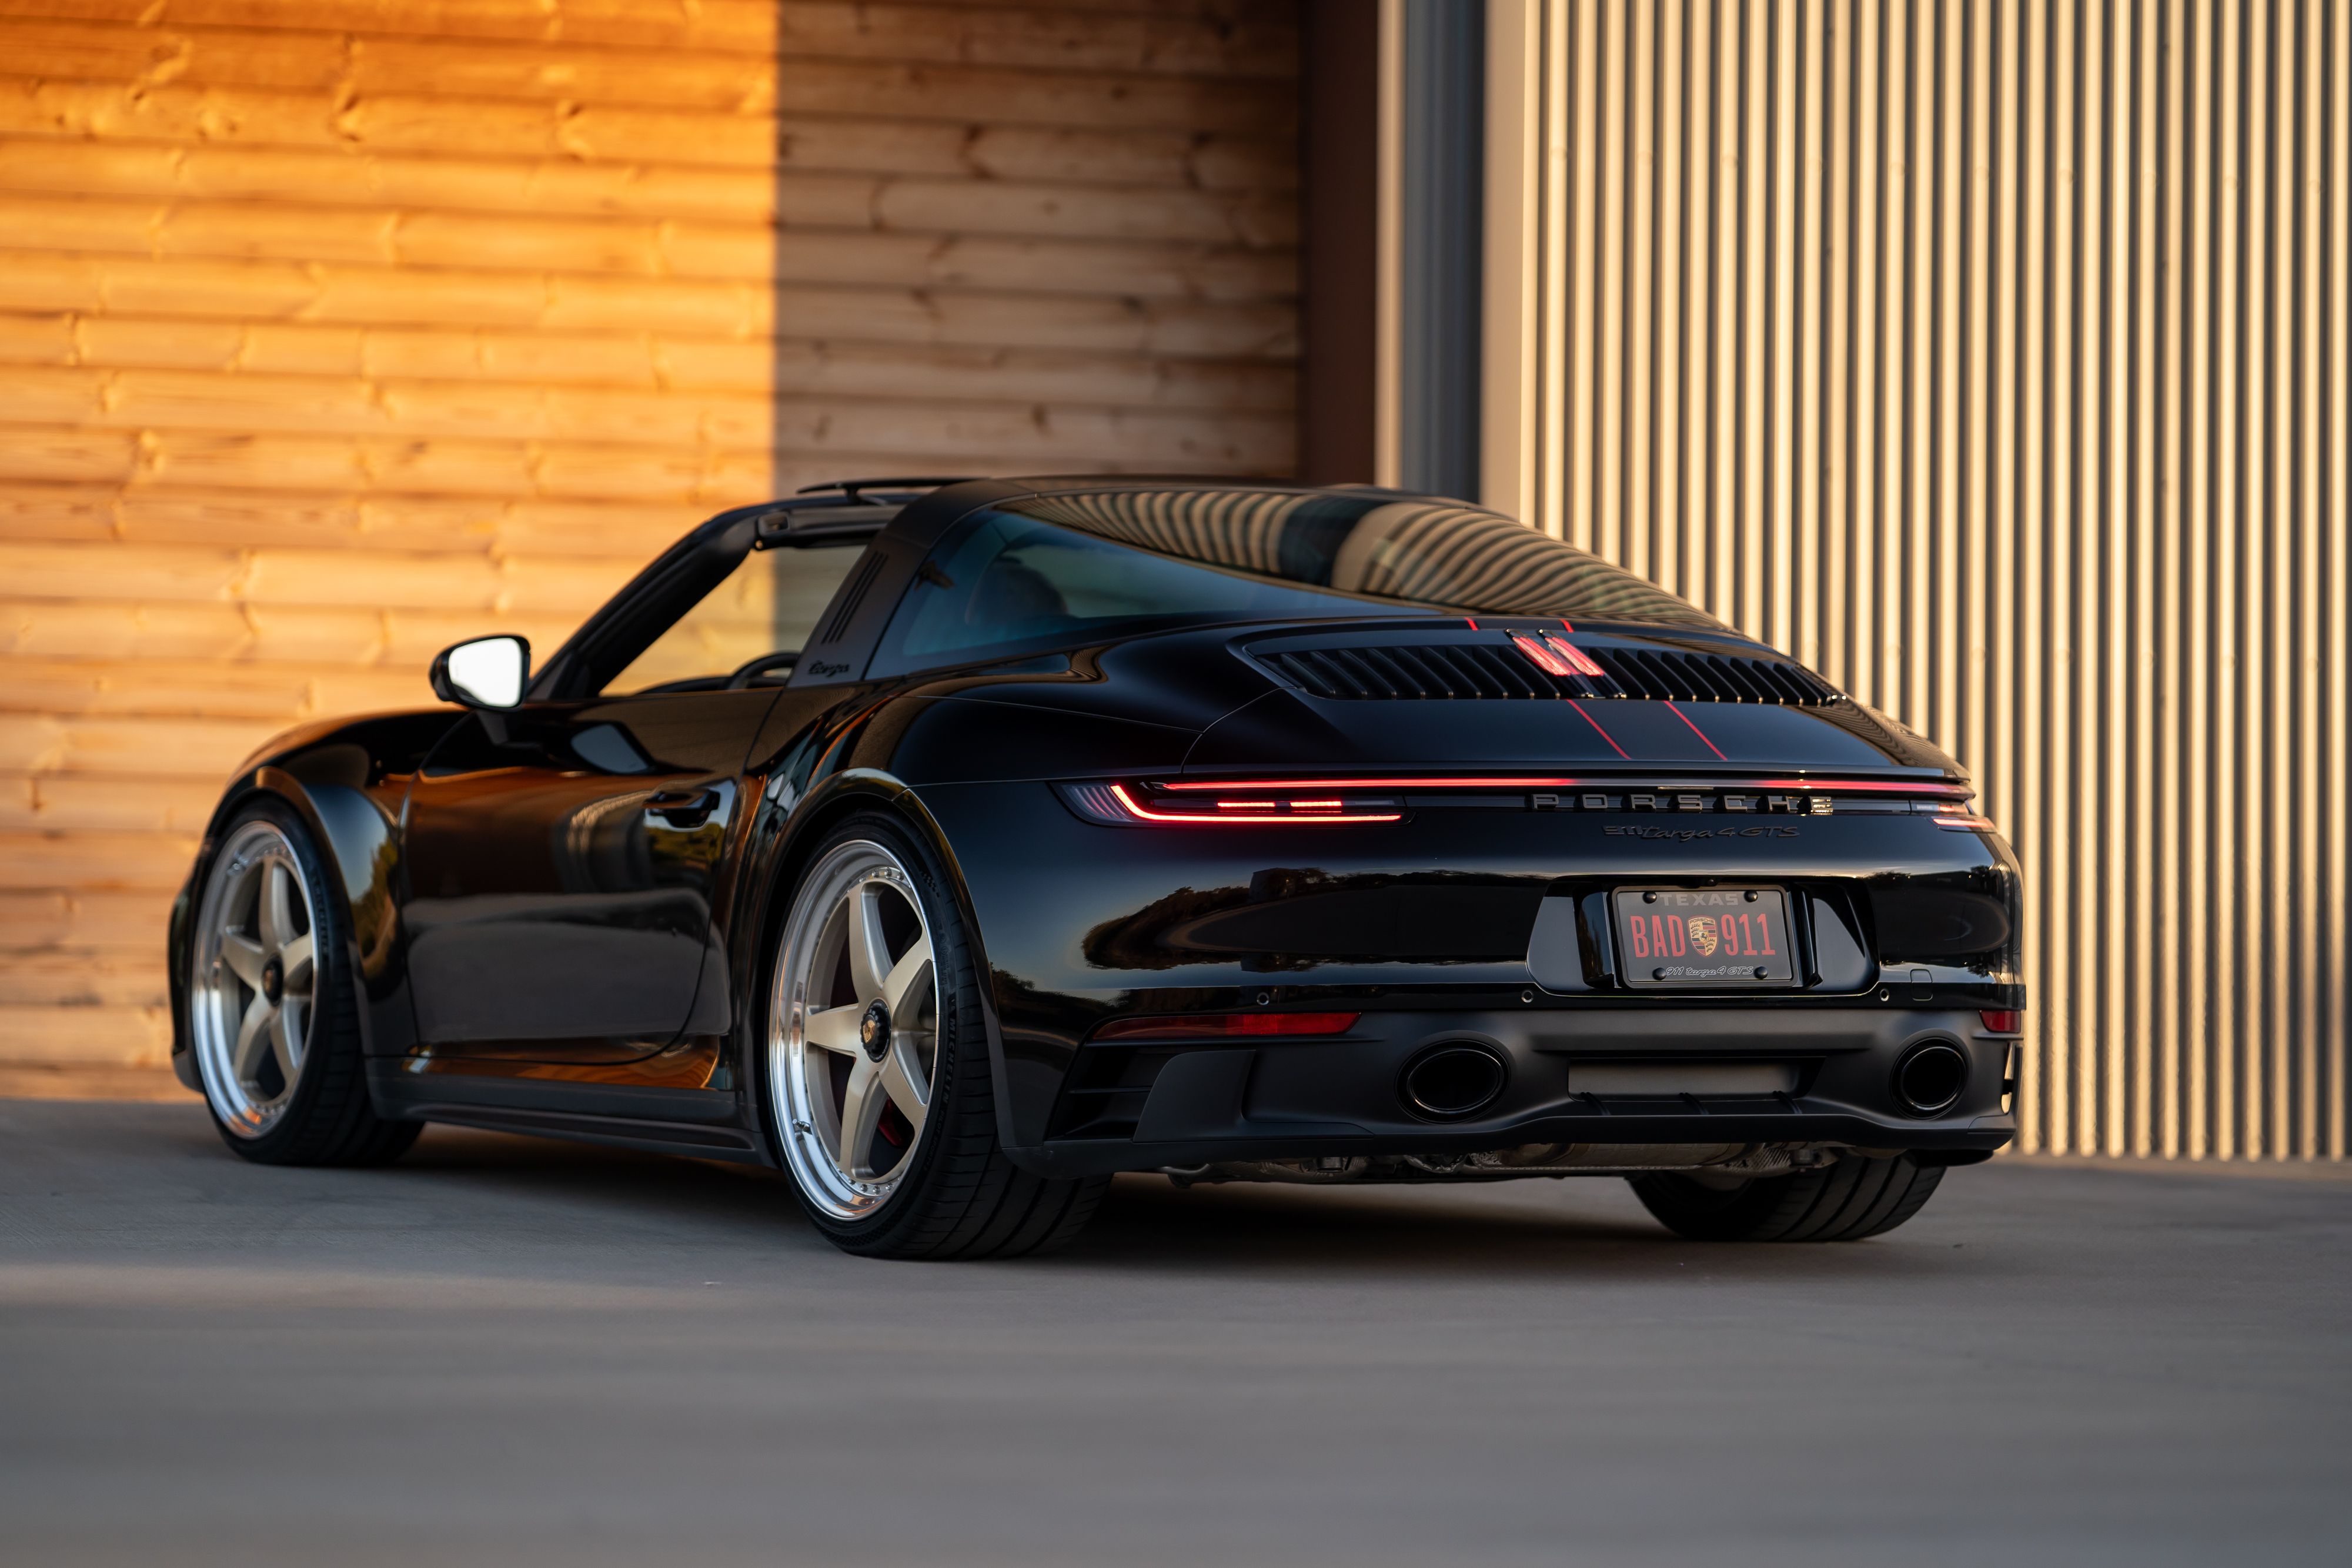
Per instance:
x=332, y=331
x=1992, y=358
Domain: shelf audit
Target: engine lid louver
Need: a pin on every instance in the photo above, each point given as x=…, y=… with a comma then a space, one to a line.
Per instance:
x=1427, y=671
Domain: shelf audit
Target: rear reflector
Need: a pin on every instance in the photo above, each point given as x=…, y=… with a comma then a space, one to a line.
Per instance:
x=1227, y=1026
x=2010, y=1021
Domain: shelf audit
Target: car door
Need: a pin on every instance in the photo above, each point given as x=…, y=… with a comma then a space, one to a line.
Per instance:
x=560, y=862
x=561, y=858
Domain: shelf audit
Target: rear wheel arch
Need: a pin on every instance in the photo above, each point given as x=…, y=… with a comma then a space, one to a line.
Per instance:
x=844, y=795
x=771, y=884
x=961, y=1195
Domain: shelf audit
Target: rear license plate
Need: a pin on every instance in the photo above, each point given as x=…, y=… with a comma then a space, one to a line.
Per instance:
x=1671, y=938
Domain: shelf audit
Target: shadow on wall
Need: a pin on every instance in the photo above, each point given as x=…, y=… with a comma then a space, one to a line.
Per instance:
x=1036, y=241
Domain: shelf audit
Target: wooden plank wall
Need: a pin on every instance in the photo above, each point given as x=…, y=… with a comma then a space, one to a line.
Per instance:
x=334, y=330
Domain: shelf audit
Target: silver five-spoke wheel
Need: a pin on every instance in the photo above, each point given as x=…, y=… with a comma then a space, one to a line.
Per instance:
x=254, y=980
x=852, y=1033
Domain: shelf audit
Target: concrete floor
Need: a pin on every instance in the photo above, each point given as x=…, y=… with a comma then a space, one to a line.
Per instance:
x=525, y=1352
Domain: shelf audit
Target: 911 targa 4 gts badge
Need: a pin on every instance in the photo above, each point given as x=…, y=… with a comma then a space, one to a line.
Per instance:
x=1685, y=835
x=953, y=846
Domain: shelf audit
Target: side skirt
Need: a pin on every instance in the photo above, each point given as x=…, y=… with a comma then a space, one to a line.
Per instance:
x=696, y=1124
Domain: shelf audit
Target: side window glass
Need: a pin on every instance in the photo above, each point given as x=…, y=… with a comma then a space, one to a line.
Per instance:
x=768, y=605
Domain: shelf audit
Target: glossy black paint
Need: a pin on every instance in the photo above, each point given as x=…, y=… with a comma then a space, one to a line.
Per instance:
x=349, y=779
x=564, y=914
x=561, y=863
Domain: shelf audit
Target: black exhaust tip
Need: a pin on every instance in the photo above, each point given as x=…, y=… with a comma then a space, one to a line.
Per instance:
x=1930, y=1077
x=1453, y=1079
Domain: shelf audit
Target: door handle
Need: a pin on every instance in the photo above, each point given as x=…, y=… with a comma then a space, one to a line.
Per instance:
x=683, y=809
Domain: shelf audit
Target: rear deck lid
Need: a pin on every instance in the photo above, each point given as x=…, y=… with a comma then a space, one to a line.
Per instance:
x=1473, y=694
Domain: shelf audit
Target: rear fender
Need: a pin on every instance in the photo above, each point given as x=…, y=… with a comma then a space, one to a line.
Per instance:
x=785, y=832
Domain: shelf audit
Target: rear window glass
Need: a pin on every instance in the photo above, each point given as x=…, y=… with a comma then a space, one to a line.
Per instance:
x=1432, y=554
x=1059, y=571
x=1003, y=583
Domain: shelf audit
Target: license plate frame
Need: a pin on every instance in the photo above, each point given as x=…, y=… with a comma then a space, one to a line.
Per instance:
x=1660, y=931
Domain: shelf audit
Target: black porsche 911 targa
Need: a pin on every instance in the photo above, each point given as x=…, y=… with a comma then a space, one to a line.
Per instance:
x=954, y=845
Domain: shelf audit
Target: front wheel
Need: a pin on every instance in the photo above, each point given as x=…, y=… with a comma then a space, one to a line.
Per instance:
x=874, y=1071
x=1856, y=1198
x=273, y=1004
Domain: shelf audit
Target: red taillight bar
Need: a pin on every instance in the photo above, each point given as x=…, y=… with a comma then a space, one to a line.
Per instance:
x=1521, y=782
x=1851, y=786
x=1143, y=813
x=1227, y=1026
x=1880, y=786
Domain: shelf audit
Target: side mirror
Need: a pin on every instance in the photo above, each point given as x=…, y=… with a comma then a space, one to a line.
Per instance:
x=488, y=671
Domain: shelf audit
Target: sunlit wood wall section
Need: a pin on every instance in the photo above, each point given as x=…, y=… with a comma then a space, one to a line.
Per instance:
x=1992, y=359
x=330, y=331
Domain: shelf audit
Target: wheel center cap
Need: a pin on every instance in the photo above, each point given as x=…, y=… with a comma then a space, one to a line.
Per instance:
x=873, y=1029
x=273, y=979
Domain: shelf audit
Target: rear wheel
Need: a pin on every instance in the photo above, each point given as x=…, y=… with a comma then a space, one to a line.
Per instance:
x=273, y=1006
x=1856, y=1198
x=875, y=1071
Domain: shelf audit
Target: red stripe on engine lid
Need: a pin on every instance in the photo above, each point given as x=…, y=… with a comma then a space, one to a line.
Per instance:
x=1695, y=729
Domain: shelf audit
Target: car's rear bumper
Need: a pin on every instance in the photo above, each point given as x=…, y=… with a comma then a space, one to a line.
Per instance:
x=1487, y=920
x=1658, y=1075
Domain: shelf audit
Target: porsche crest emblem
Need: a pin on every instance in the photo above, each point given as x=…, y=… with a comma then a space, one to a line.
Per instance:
x=1702, y=934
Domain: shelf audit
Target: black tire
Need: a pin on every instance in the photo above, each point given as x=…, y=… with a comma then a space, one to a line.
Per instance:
x=1856, y=1198
x=961, y=1198
x=328, y=1119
